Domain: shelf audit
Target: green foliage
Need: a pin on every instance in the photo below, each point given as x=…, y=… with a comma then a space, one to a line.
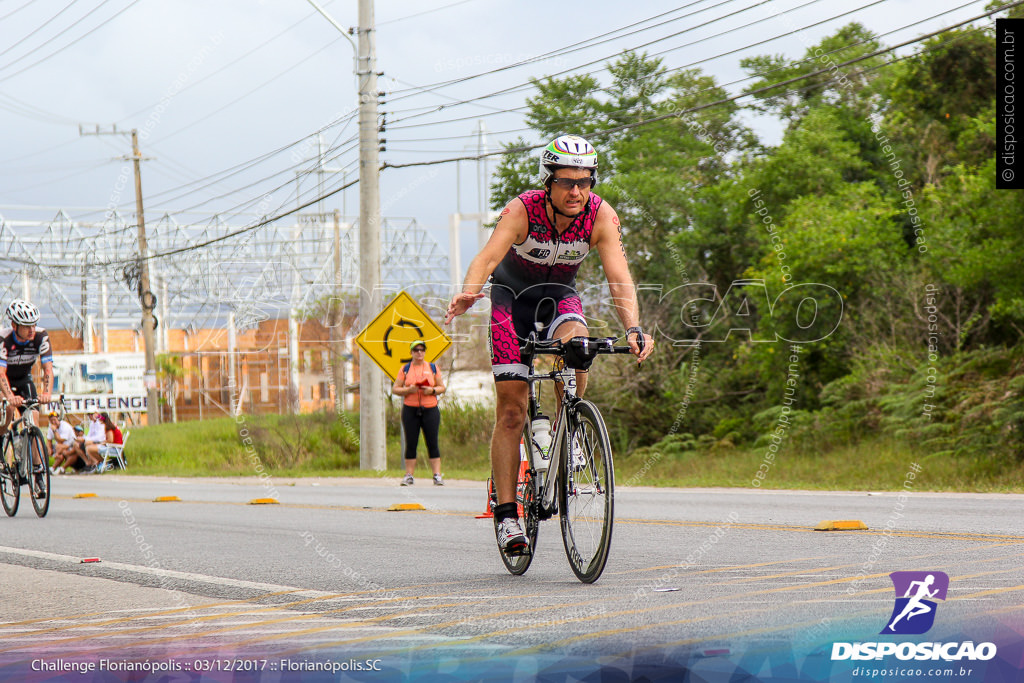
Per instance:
x=841, y=88
x=975, y=242
x=881, y=191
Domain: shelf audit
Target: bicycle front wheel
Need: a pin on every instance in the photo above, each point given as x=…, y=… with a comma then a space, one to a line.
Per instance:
x=586, y=492
x=39, y=482
x=10, y=482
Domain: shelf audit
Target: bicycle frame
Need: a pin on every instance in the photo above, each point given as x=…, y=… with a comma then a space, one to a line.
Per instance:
x=22, y=423
x=567, y=377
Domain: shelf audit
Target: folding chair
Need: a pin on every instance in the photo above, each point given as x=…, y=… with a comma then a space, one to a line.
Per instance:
x=114, y=452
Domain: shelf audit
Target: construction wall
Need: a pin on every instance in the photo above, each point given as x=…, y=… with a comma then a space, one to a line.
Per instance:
x=202, y=388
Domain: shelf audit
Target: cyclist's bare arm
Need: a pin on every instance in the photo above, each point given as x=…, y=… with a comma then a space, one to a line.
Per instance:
x=5, y=389
x=511, y=228
x=47, y=388
x=607, y=238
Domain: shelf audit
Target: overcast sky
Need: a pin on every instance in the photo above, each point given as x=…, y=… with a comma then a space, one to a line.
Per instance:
x=219, y=84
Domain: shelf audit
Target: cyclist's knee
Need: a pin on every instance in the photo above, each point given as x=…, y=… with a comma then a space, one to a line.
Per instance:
x=511, y=417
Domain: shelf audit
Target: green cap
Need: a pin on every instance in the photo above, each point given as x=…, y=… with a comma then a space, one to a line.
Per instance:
x=417, y=343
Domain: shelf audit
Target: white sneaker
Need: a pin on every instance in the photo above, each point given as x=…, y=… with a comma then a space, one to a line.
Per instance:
x=511, y=538
x=579, y=460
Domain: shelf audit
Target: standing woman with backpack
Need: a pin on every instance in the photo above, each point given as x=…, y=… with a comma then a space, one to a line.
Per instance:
x=420, y=383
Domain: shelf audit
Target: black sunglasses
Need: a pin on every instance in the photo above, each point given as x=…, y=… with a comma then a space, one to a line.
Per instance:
x=569, y=183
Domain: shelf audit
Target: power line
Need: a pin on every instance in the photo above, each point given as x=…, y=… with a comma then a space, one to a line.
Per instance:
x=281, y=186
x=247, y=94
x=268, y=220
x=38, y=152
x=30, y=111
x=579, y=45
x=234, y=170
x=676, y=69
x=229, y=64
x=706, y=59
x=36, y=29
x=622, y=127
x=67, y=28
x=221, y=238
x=420, y=14
x=748, y=93
x=237, y=208
x=13, y=12
x=66, y=46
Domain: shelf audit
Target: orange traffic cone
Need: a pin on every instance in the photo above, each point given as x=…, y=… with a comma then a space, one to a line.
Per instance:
x=524, y=466
x=488, y=513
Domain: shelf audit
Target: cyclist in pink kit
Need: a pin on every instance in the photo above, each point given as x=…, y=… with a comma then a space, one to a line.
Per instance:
x=531, y=258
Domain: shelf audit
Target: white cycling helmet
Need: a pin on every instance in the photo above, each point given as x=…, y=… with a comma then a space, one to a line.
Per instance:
x=22, y=313
x=567, y=151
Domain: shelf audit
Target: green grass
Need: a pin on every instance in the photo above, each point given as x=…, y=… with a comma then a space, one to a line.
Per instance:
x=307, y=445
x=323, y=445
x=876, y=465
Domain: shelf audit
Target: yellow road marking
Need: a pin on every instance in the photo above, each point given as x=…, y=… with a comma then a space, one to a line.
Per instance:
x=993, y=591
x=717, y=569
x=148, y=614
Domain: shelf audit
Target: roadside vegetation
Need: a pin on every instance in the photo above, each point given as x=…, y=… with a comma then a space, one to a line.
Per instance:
x=828, y=310
x=321, y=445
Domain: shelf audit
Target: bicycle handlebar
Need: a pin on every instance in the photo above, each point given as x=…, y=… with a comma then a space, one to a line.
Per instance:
x=556, y=347
x=29, y=404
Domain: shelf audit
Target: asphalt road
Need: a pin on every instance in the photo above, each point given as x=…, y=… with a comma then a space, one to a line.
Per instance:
x=329, y=572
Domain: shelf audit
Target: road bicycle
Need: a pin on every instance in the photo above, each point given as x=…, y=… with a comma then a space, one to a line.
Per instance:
x=21, y=447
x=579, y=480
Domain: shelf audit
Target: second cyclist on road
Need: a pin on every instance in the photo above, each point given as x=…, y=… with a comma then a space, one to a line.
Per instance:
x=20, y=348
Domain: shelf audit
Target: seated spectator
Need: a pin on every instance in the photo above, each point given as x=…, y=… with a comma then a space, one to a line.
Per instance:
x=94, y=438
x=77, y=460
x=111, y=436
x=61, y=438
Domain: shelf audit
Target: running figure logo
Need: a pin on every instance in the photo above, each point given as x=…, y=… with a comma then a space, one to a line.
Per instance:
x=914, y=613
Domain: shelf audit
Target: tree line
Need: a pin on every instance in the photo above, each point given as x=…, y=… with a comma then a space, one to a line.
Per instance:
x=871, y=237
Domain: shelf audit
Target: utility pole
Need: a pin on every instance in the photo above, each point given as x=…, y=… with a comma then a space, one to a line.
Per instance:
x=146, y=297
x=336, y=318
x=481, y=176
x=372, y=453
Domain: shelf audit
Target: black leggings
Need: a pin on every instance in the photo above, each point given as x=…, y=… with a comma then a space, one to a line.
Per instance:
x=413, y=419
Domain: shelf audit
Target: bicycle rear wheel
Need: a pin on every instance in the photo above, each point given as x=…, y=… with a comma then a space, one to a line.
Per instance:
x=526, y=499
x=586, y=492
x=10, y=482
x=39, y=484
